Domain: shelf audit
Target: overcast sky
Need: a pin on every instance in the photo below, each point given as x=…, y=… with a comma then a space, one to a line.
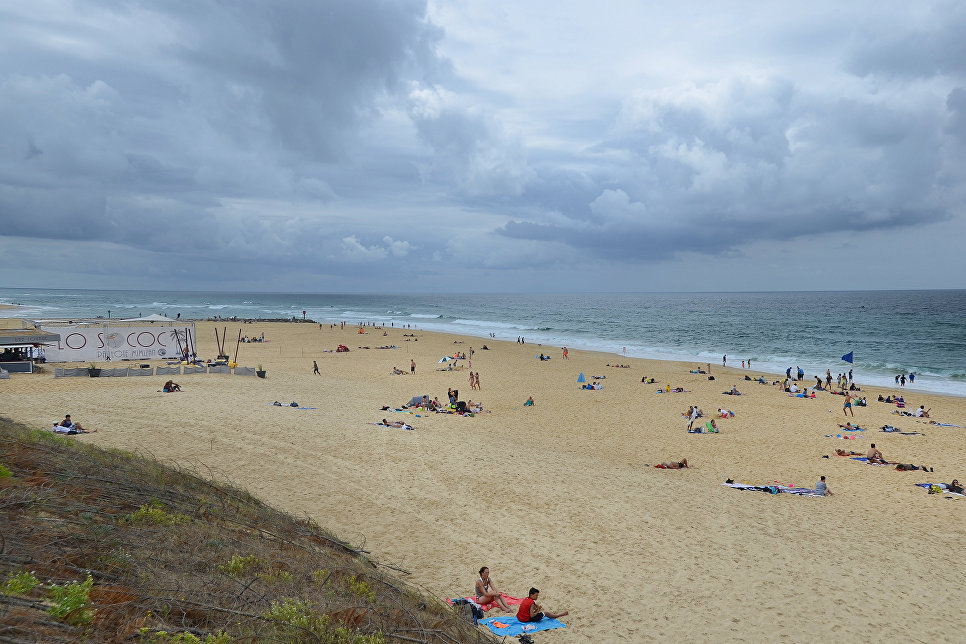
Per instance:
x=478, y=146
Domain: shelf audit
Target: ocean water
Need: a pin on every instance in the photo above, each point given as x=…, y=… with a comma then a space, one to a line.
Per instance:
x=890, y=332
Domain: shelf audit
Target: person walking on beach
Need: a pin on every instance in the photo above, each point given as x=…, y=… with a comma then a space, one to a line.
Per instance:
x=478, y=387
x=724, y=360
x=565, y=354
x=315, y=368
x=847, y=408
x=850, y=375
x=828, y=379
x=412, y=366
x=749, y=363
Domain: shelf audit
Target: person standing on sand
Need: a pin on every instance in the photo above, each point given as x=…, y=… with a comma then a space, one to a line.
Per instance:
x=565, y=354
x=847, y=408
x=412, y=366
x=724, y=360
x=315, y=368
x=472, y=380
x=749, y=363
x=478, y=387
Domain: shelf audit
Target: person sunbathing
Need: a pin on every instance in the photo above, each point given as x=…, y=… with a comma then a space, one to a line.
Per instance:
x=678, y=465
x=67, y=426
x=486, y=591
x=875, y=456
x=398, y=424
x=842, y=452
x=955, y=487
x=849, y=427
x=909, y=467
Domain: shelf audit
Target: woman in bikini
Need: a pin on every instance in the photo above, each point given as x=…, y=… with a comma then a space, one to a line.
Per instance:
x=486, y=591
x=674, y=465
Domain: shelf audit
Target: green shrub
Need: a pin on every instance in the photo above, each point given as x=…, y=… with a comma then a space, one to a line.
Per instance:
x=360, y=588
x=238, y=565
x=276, y=576
x=164, y=637
x=71, y=602
x=20, y=584
x=4, y=472
x=153, y=513
x=295, y=617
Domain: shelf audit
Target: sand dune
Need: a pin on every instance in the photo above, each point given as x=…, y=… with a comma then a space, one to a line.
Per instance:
x=557, y=495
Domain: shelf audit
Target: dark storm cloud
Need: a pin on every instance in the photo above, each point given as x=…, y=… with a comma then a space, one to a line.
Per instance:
x=313, y=139
x=132, y=122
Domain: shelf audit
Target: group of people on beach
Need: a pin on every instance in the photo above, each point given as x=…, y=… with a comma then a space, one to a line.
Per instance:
x=486, y=592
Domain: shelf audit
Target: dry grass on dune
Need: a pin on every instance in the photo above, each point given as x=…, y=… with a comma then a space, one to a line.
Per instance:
x=105, y=546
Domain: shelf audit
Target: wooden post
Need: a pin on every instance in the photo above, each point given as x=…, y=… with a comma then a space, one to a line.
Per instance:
x=236, y=347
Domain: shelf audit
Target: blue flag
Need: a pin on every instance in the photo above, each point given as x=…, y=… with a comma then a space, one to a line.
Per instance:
x=848, y=356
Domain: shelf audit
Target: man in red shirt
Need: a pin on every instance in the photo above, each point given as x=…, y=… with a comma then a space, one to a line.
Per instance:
x=531, y=611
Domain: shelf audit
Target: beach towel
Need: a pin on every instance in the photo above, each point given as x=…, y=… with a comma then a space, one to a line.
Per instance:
x=863, y=459
x=511, y=626
x=943, y=425
x=409, y=427
x=291, y=407
x=510, y=601
x=889, y=429
x=855, y=428
x=942, y=486
x=774, y=489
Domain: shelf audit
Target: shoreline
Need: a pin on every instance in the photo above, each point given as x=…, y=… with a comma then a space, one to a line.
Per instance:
x=559, y=495
x=684, y=327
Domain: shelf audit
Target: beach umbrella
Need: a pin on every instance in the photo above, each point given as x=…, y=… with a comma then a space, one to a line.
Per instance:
x=581, y=378
x=445, y=359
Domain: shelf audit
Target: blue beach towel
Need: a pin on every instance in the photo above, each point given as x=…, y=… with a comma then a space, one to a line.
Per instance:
x=515, y=627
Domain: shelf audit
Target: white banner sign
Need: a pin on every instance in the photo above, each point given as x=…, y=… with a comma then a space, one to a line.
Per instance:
x=109, y=342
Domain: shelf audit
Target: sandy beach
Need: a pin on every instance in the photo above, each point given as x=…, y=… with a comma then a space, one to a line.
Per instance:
x=559, y=495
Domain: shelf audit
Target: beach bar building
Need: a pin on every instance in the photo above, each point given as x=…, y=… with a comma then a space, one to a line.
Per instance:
x=21, y=343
